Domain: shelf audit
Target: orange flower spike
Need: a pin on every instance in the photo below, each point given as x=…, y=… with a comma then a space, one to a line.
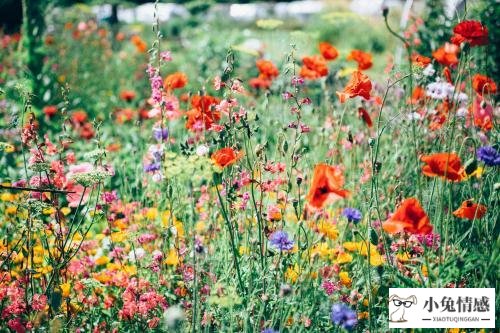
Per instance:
x=328, y=51
x=326, y=185
x=363, y=59
x=358, y=85
x=226, y=156
x=446, y=165
x=469, y=210
x=409, y=217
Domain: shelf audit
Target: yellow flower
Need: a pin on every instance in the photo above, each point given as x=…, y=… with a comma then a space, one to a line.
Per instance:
x=376, y=259
x=322, y=250
x=363, y=315
x=65, y=289
x=200, y=227
x=48, y=211
x=7, y=197
x=345, y=279
x=118, y=237
x=343, y=258
x=328, y=229
x=11, y=210
x=293, y=273
x=152, y=213
x=244, y=250
x=425, y=272
x=66, y=211
x=102, y=260
x=403, y=257
x=172, y=258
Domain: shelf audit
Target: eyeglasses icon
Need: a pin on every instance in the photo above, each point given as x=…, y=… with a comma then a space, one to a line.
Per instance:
x=406, y=304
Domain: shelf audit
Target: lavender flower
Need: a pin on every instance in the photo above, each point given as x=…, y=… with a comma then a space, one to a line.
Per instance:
x=152, y=167
x=489, y=155
x=280, y=240
x=343, y=315
x=269, y=330
x=160, y=134
x=352, y=214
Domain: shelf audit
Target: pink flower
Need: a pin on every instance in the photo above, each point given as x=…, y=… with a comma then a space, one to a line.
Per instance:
x=166, y=56
x=39, y=302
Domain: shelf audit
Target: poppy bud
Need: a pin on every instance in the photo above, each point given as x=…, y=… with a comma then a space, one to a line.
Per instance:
x=385, y=10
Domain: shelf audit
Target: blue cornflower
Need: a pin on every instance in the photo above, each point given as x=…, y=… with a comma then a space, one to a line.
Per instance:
x=280, y=240
x=489, y=155
x=352, y=214
x=343, y=315
x=160, y=134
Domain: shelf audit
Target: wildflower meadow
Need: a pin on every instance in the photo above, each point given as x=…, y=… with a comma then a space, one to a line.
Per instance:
x=212, y=172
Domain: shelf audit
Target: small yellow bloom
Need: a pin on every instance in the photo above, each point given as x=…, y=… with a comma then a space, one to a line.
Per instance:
x=344, y=258
x=172, y=258
x=65, y=289
x=293, y=273
x=102, y=260
x=345, y=279
x=244, y=250
x=152, y=213
x=66, y=211
x=48, y=211
x=7, y=197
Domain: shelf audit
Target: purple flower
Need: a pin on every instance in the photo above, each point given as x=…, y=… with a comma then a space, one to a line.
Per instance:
x=280, y=240
x=297, y=81
x=343, y=315
x=287, y=95
x=489, y=155
x=352, y=214
x=152, y=167
x=269, y=330
x=160, y=134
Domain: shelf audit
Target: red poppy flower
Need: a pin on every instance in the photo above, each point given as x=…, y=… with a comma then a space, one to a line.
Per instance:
x=472, y=32
x=469, y=210
x=328, y=51
x=226, y=156
x=177, y=80
x=365, y=116
x=50, y=110
x=409, y=217
x=79, y=117
x=203, y=114
x=314, y=67
x=326, y=185
x=483, y=84
x=446, y=55
x=446, y=165
x=363, y=59
x=359, y=85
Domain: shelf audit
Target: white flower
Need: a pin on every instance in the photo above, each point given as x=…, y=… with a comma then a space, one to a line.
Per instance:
x=414, y=116
x=429, y=70
x=136, y=254
x=173, y=316
x=440, y=90
x=462, y=112
x=201, y=150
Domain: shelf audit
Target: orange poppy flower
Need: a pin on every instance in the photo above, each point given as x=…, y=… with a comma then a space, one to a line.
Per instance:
x=328, y=51
x=177, y=80
x=363, y=59
x=326, y=185
x=418, y=95
x=447, y=165
x=313, y=67
x=409, y=217
x=420, y=60
x=267, y=68
x=359, y=85
x=446, y=55
x=79, y=117
x=226, y=156
x=469, y=210
x=472, y=32
x=127, y=95
x=260, y=82
x=483, y=84
x=202, y=115
x=140, y=45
